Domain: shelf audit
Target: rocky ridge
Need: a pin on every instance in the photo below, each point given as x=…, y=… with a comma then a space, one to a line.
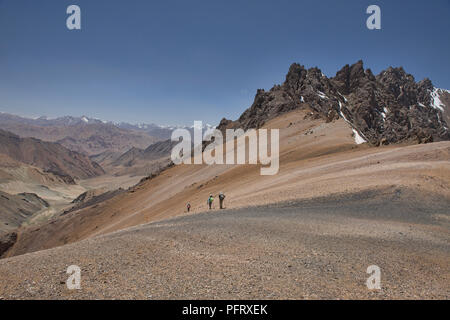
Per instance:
x=390, y=107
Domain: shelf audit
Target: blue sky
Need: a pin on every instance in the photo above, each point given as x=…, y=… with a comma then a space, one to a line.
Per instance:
x=173, y=62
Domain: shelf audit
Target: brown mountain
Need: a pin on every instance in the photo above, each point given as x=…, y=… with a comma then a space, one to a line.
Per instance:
x=15, y=209
x=51, y=157
x=84, y=135
x=384, y=109
x=18, y=177
x=130, y=164
x=156, y=151
x=136, y=161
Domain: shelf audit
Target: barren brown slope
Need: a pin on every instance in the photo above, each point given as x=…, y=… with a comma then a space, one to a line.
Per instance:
x=138, y=162
x=97, y=138
x=316, y=159
x=316, y=249
x=51, y=157
x=28, y=194
x=17, y=177
x=16, y=209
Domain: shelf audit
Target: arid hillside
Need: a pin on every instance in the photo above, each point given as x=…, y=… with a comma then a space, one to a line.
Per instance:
x=307, y=249
x=309, y=232
x=18, y=208
x=32, y=169
x=51, y=157
x=317, y=159
x=17, y=177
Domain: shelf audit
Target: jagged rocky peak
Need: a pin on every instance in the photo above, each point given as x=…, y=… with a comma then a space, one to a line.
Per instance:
x=395, y=75
x=388, y=108
x=299, y=80
x=295, y=76
x=350, y=78
x=426, y=84
x=225, y=123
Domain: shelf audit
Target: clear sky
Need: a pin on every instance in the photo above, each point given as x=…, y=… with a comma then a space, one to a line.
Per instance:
x=173, y=62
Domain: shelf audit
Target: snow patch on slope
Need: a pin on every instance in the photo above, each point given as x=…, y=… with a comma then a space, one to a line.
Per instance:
x=341, y=113
x=358, y=138
x=322, y=95
x=383, y=114
x=345, y=99
x=435, y=99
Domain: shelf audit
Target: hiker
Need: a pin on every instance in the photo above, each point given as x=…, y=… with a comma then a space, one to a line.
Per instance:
x=188, y=206
x=210, y=201
x=221, y=199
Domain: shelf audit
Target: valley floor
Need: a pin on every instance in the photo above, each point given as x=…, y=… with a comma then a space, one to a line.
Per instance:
x=295, y=250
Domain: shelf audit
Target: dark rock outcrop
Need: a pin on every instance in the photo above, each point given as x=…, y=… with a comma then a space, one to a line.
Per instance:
x=15, y=209
x=7, y=240
x=388, y=108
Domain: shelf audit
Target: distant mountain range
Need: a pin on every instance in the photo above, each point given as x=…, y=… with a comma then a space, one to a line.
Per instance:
x=82, y=134
x=88, y=135
x=154, y=130
x=70, y=121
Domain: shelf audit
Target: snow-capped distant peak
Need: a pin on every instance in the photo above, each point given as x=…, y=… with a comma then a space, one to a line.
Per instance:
x=84, y=119
x=142, y=126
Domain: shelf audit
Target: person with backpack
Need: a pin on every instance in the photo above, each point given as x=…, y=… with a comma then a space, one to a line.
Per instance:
x=210, y=201
x=188, y=206
x=221, y=199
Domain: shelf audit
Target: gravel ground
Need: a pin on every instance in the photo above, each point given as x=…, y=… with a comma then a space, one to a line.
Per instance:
x=297, y=250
